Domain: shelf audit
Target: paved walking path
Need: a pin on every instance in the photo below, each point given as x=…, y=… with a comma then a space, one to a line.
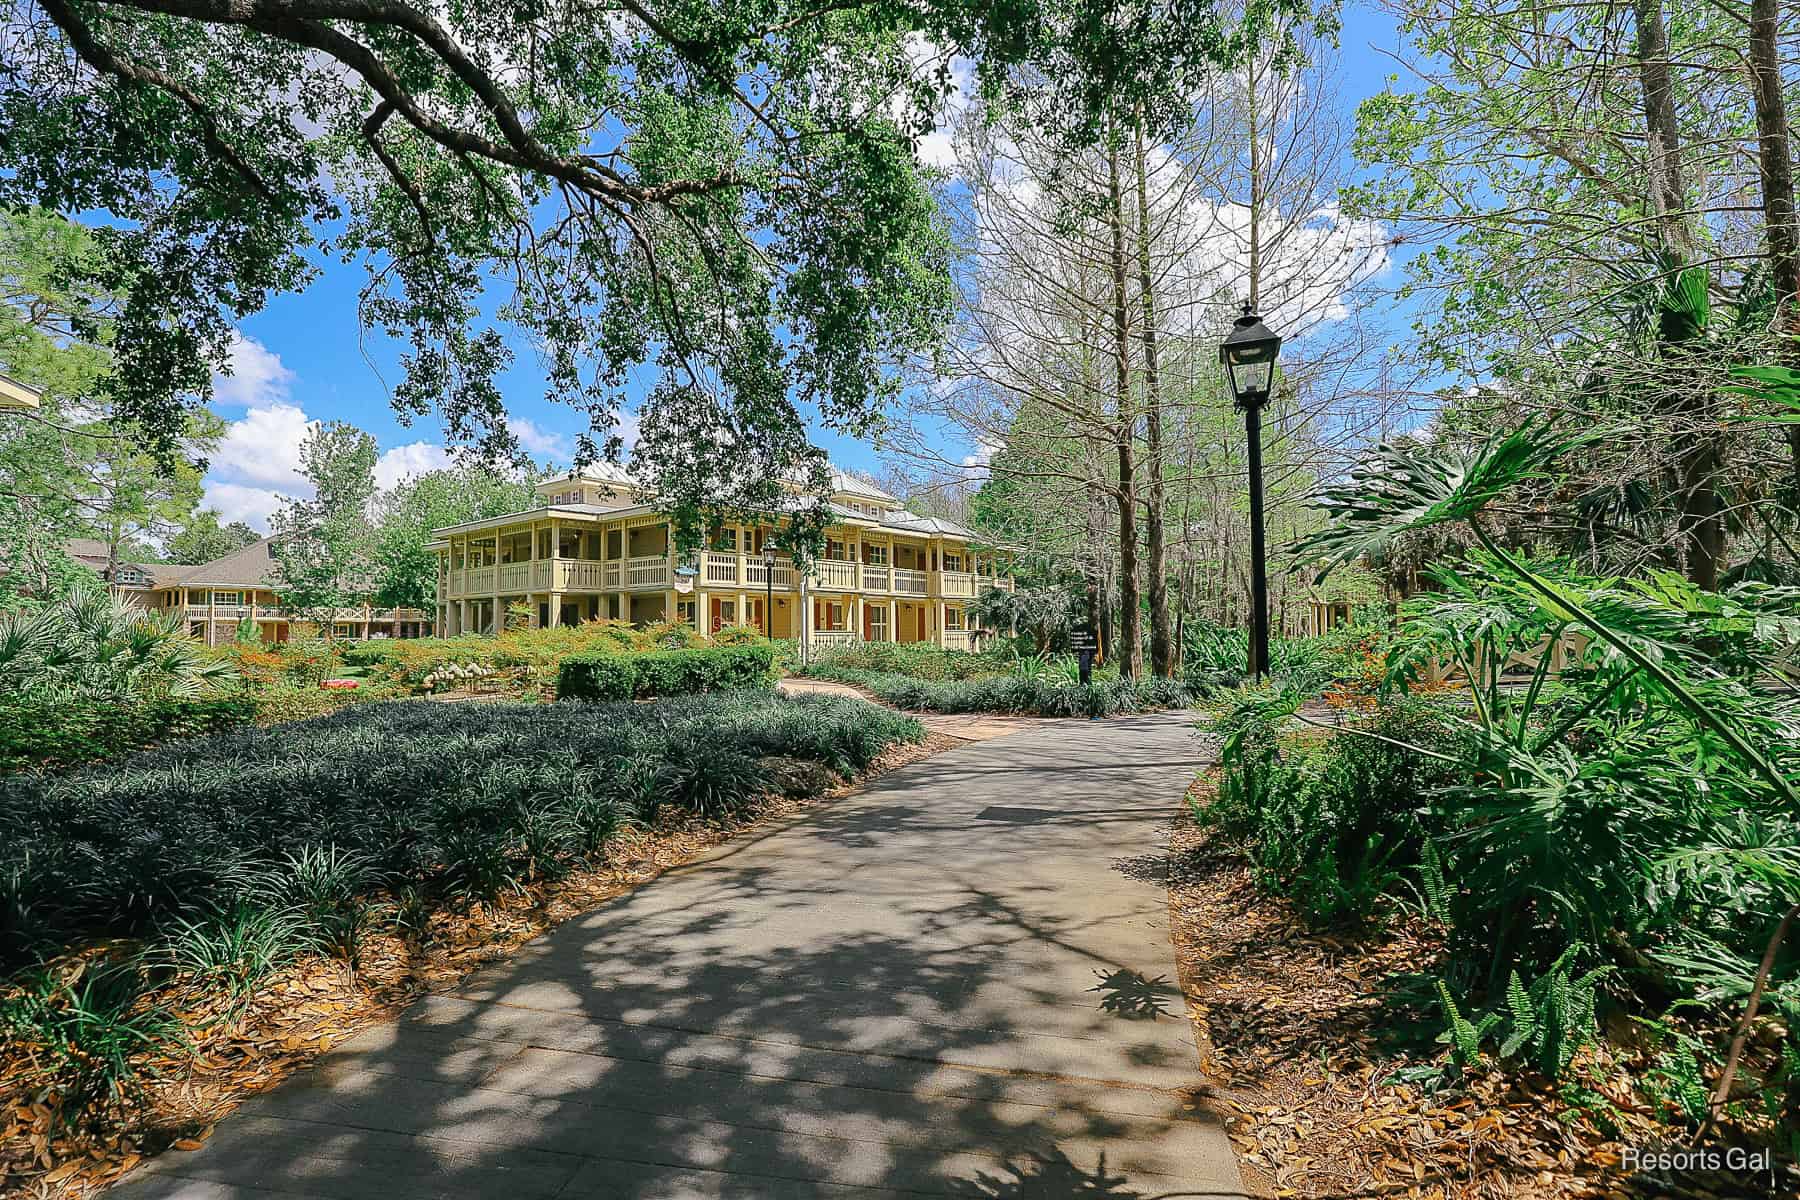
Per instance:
x=954, y=983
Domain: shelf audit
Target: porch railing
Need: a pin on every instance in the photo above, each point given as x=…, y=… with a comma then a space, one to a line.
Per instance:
x=959, y=639
x=647, y=571
x=840, y=576
x=910, y=583
x=718, y=567
x=757, y=573
x=957, y=583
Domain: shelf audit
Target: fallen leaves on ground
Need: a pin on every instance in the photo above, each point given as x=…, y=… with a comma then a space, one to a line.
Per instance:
x=241, y=1046
x=1298, y=1040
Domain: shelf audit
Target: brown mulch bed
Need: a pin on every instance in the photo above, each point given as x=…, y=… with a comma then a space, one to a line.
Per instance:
x=239, y=1049
x=1297, y=1039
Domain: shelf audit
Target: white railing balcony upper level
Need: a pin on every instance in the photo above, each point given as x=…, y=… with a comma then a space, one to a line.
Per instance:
x=648, y=570
x=757, y=570
x=835, y=575
x=911, y=583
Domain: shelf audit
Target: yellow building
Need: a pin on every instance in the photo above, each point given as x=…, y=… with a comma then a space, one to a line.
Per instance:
x=591, y=551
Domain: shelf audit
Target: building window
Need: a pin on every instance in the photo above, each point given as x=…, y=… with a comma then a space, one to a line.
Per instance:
x=228, y=598
x=952, y=562
x=684, y=612
x=725, y=539
x=953, y=619
x=831, y=616
x=834, y=550
x=875, y=554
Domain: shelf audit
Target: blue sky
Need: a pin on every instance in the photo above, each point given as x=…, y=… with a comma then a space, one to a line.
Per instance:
x=304, y=359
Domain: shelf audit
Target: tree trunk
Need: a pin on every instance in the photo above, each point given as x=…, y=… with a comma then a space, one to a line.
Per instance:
x=1131, y=655
x=1775, y=165
x=1161, y=644
x=1662, y=140
x=1696, y=449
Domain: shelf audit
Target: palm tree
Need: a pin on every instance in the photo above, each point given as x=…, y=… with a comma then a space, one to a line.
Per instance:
x=90, y=645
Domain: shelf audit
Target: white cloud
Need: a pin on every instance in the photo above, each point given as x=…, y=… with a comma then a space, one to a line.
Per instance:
x=238, y=502
x=405, y=462
x=985, y=449
x=256, y=377
x=264, y=447
x=540, y=441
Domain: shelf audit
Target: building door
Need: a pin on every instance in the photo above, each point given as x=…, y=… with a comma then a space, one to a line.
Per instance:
x=923, y=634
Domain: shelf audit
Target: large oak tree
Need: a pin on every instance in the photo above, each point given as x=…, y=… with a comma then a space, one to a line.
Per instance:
x=717, y=206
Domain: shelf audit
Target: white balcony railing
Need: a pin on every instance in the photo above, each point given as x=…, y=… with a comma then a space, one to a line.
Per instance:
x=834, y=637
x=957, y=583
x=910, y=583
x=876, y=579
x=839, y=576
x=581, y=575
x=719, y=567
x=651, y=570
x=612, y=574
x=757, y=573
x=959, y=639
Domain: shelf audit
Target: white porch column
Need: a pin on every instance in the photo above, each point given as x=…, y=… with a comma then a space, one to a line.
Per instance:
x=893, y=621
x=555, y=609
x=937, y=616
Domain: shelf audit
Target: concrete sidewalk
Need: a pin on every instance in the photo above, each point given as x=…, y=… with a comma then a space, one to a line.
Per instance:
x=957, y=982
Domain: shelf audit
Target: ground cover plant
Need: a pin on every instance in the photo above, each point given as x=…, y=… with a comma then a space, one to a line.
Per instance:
x=202, y=867
x=924, y=678
x=1609, y=846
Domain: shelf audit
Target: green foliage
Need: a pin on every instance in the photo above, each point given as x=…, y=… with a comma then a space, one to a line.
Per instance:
x=90, y=645
x=921, y=660
x=319, y=820
x=1331, y=821
x=48, y=734
x=85, y=1027
x=404, y=569
x=202, y=539
x=322, y=543
x=595, y=676
x=1036, y=695
x=1546, y=1023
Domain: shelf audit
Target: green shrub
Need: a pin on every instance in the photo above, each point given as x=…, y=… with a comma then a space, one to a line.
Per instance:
x=455, y=802
x=597, y=677
x=1043, y=695
x=921, y=660
x=68, y=732
x=664, y=672
x=1328, y=821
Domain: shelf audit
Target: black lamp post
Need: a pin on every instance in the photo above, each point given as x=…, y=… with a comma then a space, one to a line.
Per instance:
x=1249, y=352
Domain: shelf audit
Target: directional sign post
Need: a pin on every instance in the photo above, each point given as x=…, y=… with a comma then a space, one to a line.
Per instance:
x=1085, y=645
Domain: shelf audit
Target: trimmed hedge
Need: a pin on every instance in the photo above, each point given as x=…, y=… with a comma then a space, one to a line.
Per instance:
x=595, y=676
x=81, y=731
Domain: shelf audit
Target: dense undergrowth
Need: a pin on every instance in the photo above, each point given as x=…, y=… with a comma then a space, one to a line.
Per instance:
x=1607, y=836
x=209, y=863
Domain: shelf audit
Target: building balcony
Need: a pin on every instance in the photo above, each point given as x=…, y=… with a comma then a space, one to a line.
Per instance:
x=715, y=570
x=271, y=612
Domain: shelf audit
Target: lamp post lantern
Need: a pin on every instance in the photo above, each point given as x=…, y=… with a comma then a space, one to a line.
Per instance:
x=768, y=557
x=1248, y=353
